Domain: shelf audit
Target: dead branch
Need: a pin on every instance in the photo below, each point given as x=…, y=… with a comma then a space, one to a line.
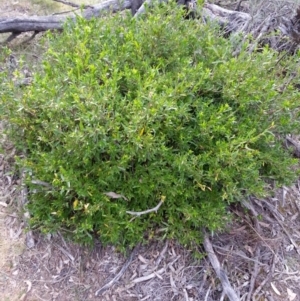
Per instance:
x=294, y=145
x=275, y=214
x=30, y=243
x=150, y=276
x=73, y=4
x=12, y=37
x=68, y=254
x=267, y=279
x=120, y=274
x=227, y=288
x=41, y=183
x=287, y=233
x=142, y=9
x=253, y=274
x=234, y=254
x=146, y=211
x=43, y=23
x=162, y=254
x=257, y=232
x=231, y=21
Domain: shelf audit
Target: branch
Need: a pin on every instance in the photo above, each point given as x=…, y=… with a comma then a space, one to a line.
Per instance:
x=231, y=21
x=30, y=243
x=119, y=275
x=146, y=211
x=290, y=142
x=73, y=4
x=254, y=274
x=43, y=23
x=267, y=279
x=227, y=288
x=142, y=9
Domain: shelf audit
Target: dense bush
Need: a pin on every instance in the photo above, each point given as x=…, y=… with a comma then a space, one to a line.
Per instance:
x=154, y=108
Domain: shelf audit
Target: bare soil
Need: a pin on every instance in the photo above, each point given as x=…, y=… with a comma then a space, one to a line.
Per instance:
x=260, y=252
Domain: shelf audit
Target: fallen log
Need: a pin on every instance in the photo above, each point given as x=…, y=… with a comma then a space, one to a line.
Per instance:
x=55, y=22
x=280, y=33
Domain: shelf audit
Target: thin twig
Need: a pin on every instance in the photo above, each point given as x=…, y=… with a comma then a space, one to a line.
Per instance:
x=207, y=293
x=256, y=229
x=65, y=12
x=24, y=192
x=239, y=5
x=186, y=296
x=295, y=146
x=287, y=233
x=120, y=274
x=254, y=274
x=41, y=183
x=162, y=253
x=65, y=252
x=146, y=211
x=240, y=255
x=73, y=4
x=5, y=196
x=275, y=214
x=227, y=288
x=267, y=279
x=150, y=276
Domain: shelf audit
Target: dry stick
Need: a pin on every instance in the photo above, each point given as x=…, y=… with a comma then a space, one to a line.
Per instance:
x=239, y=5
x=41, y=183
x=146, y=211
x=24, y=192
x=6, y=196
x=207, y=293
x=202, y=283
x=295, y=145
x=267, y=279
x=65, y=252
x=73, y=4
x=142, y=9
x=257, y=251
x=261, y=238
x=120, y=274
x=287, y=233
x=240, y=255
x=282, y=226
x=296, y=203
x=162, y=253
x=256, y=229
x=254, y=274
x=227, y=288
x=186, y=296
x=150, y=276
x=65, y=12
x=270, y=298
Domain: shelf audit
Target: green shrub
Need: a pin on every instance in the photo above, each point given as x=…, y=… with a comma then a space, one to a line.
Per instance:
x=154, y=108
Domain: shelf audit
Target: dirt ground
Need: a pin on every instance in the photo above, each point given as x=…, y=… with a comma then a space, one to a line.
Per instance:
x=261, y=256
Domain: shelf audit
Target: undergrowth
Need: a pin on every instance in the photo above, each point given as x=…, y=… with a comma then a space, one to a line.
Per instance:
x=126, y=113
